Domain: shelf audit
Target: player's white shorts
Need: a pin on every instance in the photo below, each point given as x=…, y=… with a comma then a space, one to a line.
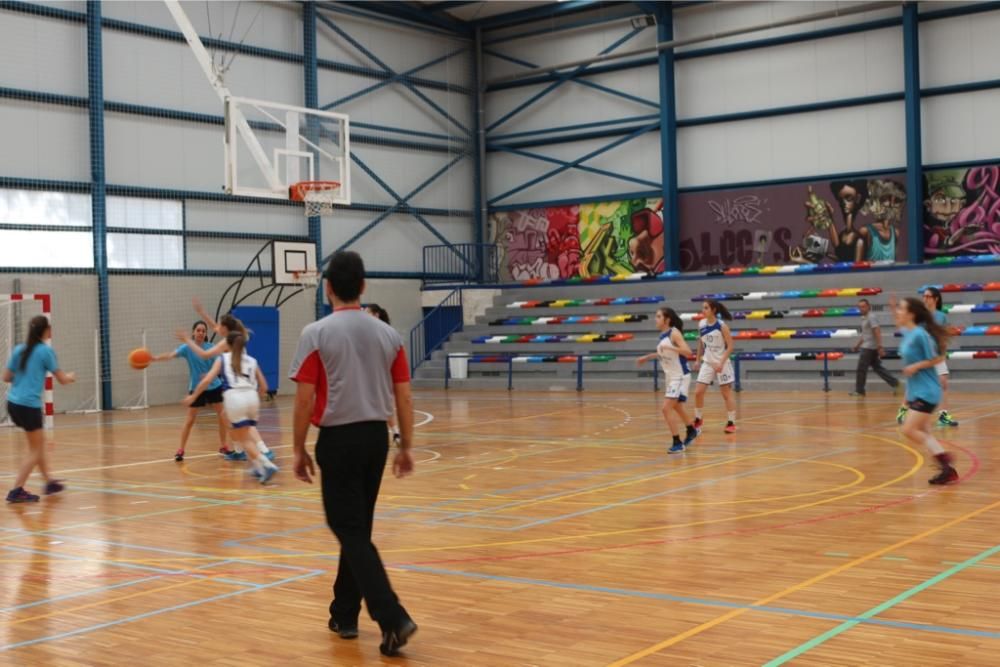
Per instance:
x=677, y=387
x=242, y=407
x=941, y=368
x=707, y=374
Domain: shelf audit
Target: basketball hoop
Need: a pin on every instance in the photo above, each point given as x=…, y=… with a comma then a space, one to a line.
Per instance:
x=319, y=196
x=306, y=278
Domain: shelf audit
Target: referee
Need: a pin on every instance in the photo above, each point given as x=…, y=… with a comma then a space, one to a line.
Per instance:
x=350, y=370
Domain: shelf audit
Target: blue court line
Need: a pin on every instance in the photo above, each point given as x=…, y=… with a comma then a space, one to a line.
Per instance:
x=157, y=612
x=133, y=566
x=783, y=611
x=659, y=472
x=878, y=609
x=695, y=485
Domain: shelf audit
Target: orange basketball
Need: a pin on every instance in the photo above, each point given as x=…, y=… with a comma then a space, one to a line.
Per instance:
x=140, y=358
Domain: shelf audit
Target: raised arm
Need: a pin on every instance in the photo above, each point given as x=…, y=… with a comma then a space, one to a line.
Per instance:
x=203, y=314
x=213, y=351
x=166, y=356
x=206, y=380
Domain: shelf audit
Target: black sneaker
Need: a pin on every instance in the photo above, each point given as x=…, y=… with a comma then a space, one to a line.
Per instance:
x=346, y=632
x=19, y=495
x=55, y=486
x=179, y=456
x=948, y=475
x=393, y=640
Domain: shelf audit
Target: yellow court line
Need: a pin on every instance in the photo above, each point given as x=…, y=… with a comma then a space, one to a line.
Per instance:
x=676, y=639
x=63, y=612
x=918, y=464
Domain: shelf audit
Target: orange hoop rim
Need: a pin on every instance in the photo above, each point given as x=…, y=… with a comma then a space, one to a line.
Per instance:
x=297, y=191
x=306, y=277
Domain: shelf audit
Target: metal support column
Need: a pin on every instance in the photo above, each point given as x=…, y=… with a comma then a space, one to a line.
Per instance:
x=95, y=91
x=311, y=81
x=668, y=139
x=481, y=219
x=914, y=153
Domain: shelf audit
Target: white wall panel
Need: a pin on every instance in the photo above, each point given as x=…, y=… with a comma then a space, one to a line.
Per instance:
x=217, y=216
x=395, y=244
x=44, y=141
x=856, y=65
x=214, y=254
x=142, y=70
x=963, y=127
x=960, y=49
x=716, y=17
x=824, y=142
x=43, y=54
x=273, y=25
x=161, y=153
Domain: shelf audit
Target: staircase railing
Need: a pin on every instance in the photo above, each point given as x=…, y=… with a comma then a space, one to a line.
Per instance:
x=419, y=353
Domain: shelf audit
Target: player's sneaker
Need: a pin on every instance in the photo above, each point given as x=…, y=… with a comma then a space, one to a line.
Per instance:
x=692, y=433
x=676, y=448
x=19, y=495
x=698, y=423
x=179, y=455
x=730, y=427
x=269, y=455
x=268, y=473
x=54, y=486
x=236, y=456
x=947, y=475
x=945, y=419
x=393, y=640
x=345, y=632
x=224, y=452
x=901, y=414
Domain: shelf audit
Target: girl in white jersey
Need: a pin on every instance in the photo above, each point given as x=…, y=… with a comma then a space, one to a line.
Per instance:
x=673, y=352
x=226, y=324
x=242, y=385
x=715, y=345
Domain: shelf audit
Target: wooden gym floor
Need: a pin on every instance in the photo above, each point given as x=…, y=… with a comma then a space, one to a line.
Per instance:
x=539, y=529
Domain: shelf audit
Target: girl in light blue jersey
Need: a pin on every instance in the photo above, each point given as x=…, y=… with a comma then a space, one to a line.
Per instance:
x=673, y=352
x=197, y=367
x=935, y=304
x=923, y=340
x=25, y=372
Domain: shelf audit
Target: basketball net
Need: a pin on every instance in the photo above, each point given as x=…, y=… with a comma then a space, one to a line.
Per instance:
x=318, y=196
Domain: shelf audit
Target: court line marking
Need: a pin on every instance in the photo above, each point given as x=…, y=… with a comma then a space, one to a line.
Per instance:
x=878, y=609
x=697, y=630
x=139, y=617
x=708, y=602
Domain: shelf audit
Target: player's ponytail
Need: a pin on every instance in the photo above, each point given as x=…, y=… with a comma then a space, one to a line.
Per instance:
x=720, y=311
x=671, y=316
x=36, y=334
x=922, y=316
x=236, y=342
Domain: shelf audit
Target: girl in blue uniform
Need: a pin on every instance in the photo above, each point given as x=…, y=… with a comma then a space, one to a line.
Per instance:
x=673, y=352
x=715, y=346
x=25, y=372
x=923, y=340
x=935, y=304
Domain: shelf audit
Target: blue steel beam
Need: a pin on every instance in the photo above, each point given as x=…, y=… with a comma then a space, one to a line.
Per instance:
x=580, y=167
x=481, y=219
x=568, y=25
x=914, y=169
x=571, y=138
x=550, y=10
x=573, y=128
x=311, y=89
x=98, y=203
x=668, y=140
x=569, y=165
x=396, y=78
x=343, y=8
x=646, y=194
x=404, y=11
x=562, y=77
x=390, y=72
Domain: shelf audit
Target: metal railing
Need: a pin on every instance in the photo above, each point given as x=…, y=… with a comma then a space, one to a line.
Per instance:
x=418, y=334
x=462, y=262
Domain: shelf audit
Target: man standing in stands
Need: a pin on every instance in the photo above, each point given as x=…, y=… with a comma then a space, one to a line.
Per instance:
x=350, y=370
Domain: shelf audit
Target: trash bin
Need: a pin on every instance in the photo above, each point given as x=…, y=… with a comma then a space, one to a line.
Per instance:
x=458, y=366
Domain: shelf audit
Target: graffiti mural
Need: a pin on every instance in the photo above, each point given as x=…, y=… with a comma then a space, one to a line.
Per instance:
x=606, y=238
x=811, y=222
x=962, y=211
x=538, y=243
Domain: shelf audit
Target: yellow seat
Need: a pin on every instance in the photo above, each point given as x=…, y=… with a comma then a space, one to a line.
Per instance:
x=848, y=291
x=782, y=334
x=617, y=318
x=758, y=314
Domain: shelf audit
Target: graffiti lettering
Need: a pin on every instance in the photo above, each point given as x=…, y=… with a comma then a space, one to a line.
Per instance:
x=735, y=248
x=745, y=210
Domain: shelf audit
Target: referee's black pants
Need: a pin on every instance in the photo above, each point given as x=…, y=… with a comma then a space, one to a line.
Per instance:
x=351, y=460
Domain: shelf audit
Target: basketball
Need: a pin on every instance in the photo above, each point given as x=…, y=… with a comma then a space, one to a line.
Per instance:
x=140, y=358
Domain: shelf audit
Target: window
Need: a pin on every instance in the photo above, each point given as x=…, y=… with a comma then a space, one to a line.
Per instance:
x=135, y=250
x=42, y=248
x=35, y=207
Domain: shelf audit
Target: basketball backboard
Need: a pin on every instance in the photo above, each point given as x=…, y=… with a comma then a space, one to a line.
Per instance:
x=289, y=258
x=284, y=145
